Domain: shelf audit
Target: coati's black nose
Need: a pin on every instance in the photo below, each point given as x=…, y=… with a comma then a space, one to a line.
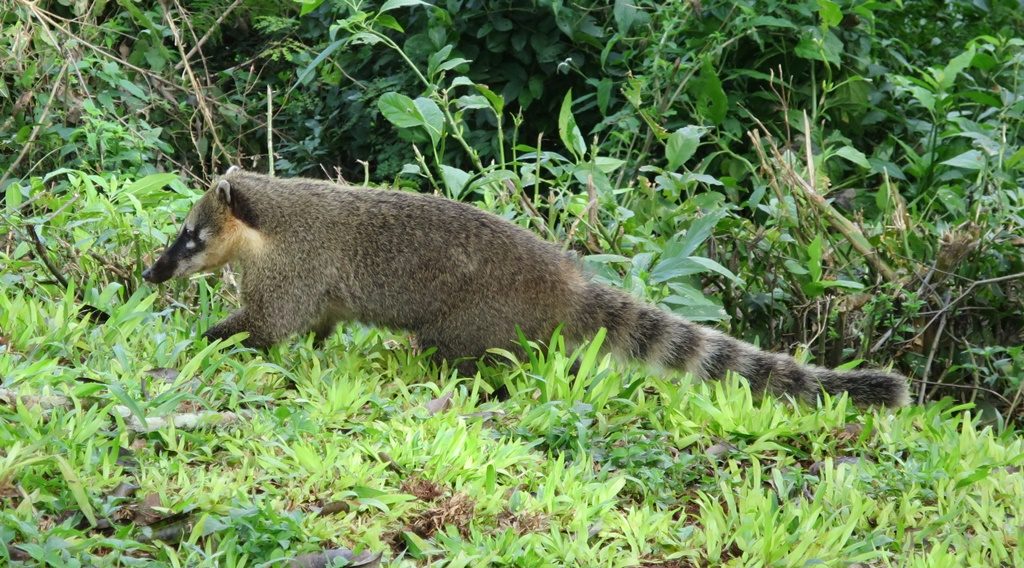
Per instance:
x=157, y=273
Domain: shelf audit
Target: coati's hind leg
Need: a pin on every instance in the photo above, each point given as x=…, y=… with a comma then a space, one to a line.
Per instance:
x=460, y=355
x=323, y=330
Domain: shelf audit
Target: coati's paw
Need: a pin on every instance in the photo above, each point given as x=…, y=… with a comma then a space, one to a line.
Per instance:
x=213, y=334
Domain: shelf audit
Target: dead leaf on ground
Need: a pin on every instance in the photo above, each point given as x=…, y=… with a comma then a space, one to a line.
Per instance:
x=422, y=489
x=146, y=512
x=486, y=415
x=324, y=558
x=126, y=459
x=849, y=433
x=158, y=524
x=456, y=510
x=169, y=532
x=164, y=374
x=837, y=461
x=392, y=464
x=124, y=489
x=658, y=563
x=439, y=404
x=333, y=508
x=522, y=523
x=720, y=449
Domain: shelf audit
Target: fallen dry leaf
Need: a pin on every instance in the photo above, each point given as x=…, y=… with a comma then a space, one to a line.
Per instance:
x=720, y=449
x=439, y=404
x=124, y=489
x=333, y=508
x=163, y=373
x=456, y=510
x=837, y=461
x=849, y=433
x=422, y=489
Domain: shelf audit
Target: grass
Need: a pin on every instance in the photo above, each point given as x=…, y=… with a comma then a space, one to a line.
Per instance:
x=124, y=441
x=614, y=468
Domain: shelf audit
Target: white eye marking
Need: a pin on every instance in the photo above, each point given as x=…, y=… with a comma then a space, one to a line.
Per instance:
x=190, y=245
x=204, y=234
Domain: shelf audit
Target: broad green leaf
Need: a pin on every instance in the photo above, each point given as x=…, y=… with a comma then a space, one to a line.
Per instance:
x=433, y=118
x=957, y=65
x=626, y=14
x=473, y=102
x=699, y=231
x=77, y=489
x=143, y=186
x=969, y=160
x=715, y=267
x=819, y=46
x=1016, y=160
x=712, y=103
x=923, y=96
x=307, y=73
x=437, y=58
x=814, y=255
x=567, y=129
x=14, y=197
x=608, y=165
x=681, y=145
x=400, y=110
x=308, y=5
x=771, y=22
x=129, y=402
x=496, y=100
x=974, y=477
x=389, y=21
x=454, y=180
x=394, y=4
x=830, y=13
x=607, y=258
x=854, y=155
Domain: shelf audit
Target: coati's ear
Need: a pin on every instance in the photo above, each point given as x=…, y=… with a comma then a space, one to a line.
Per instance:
x=224, y=191
x=232, y=170
x=237, y=202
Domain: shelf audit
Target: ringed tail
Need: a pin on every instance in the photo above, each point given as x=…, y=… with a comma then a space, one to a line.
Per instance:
x=648, y=334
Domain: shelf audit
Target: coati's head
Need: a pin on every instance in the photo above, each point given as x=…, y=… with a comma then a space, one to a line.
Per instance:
x=218, y=228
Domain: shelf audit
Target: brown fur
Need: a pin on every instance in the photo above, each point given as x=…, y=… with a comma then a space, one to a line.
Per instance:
x=313, y=253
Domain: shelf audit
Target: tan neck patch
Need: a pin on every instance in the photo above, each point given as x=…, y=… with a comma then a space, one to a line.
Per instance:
x=237, y=241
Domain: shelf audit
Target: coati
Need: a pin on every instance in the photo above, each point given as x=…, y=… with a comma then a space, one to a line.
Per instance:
x=313, y=253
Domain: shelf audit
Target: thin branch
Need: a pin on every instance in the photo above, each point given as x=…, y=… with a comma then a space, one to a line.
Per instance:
x=35, y=129
x=209, y=33
x=45, y=16
x=967, y=292
x=931, y=355
x=200, y=97
x=835, y=218
x=43, y=255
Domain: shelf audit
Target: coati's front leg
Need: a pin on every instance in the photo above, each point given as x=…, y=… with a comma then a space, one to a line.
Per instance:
x=260, y=334
x=269, y=323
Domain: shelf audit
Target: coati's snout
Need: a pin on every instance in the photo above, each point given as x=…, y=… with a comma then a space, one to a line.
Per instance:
x=208, y=238
x=186, y=255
